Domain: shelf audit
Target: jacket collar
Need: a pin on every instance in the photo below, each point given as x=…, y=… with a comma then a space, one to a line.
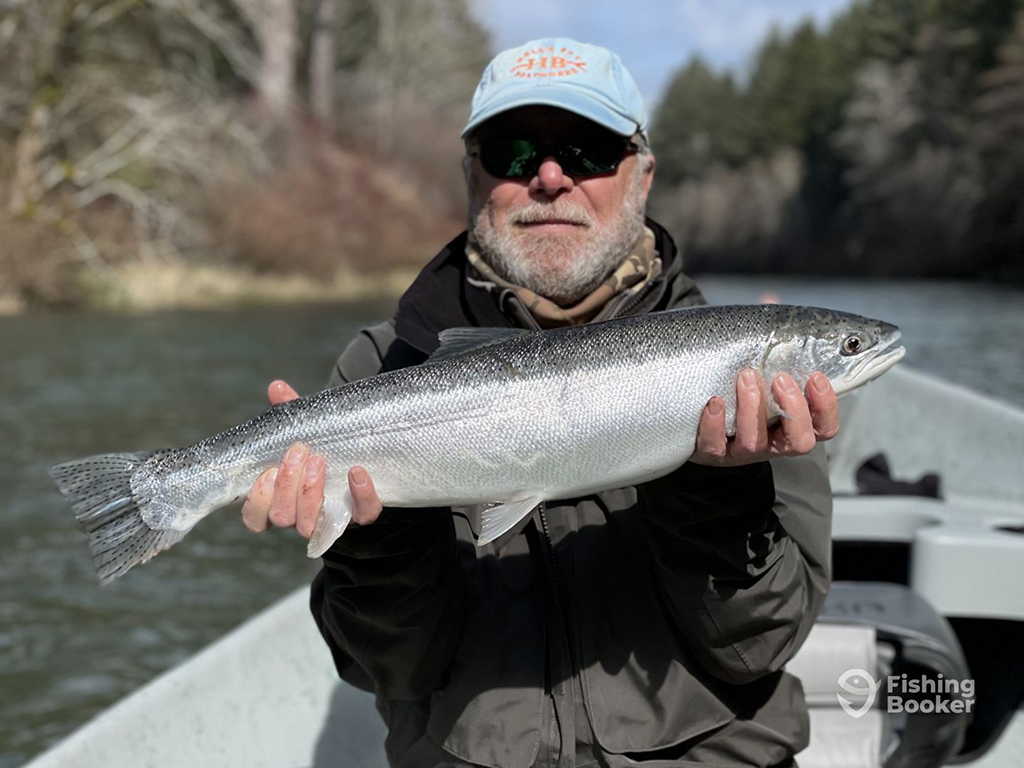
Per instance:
x=442, y=297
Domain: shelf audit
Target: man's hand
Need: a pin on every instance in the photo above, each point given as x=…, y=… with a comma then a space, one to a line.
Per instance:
x=813, y=418
x=290, y=496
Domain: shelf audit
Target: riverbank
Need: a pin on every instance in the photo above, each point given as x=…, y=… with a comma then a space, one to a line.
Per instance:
x=160, y=286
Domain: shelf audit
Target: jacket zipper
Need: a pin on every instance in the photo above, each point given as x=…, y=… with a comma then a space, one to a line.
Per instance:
x=550, y=549
x=558, y=686
x=632, y=302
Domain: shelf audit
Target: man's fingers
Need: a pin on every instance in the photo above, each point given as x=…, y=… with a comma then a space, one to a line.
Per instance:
x=794, y=435
x=280, y=392
x=286, y=488
x=751, y=421
x=367, y=506
x=824, y=406
x=311, y=495
x=711, y=440
x=257, y=503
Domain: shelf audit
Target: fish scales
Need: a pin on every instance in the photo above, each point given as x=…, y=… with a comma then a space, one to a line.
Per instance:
x=520, y=418
x=418, y=431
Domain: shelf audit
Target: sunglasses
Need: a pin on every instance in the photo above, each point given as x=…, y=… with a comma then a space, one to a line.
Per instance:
x=520, y=158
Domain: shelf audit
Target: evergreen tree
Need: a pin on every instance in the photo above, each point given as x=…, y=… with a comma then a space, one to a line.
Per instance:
x=785, y=90
x=891, y=28
x=699, y=124
x=999, y=139
x=912, y=195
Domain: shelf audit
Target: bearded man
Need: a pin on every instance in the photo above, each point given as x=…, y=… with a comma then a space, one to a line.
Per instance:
x=643, y=626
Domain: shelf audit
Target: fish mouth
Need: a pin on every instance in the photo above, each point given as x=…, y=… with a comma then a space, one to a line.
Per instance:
x=874, y=364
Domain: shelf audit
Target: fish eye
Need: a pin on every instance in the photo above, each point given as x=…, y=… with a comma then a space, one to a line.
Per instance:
x=853, y=344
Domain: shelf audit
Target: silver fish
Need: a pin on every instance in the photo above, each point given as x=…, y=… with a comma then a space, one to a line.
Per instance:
x=498, y=416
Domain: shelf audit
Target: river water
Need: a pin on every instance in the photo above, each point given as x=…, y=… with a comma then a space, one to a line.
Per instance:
x=74, y=385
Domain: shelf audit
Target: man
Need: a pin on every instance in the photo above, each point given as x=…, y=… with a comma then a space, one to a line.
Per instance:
x=642, y=626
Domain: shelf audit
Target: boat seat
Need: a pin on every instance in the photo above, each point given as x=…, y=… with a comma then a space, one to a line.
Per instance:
x=886, y=631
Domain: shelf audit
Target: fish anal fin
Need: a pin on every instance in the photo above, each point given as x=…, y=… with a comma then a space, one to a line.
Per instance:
x=335, y=515
x=502, y=518
x=456, y=341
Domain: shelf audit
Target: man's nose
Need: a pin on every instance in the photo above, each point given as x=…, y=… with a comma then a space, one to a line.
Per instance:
x=550, y=179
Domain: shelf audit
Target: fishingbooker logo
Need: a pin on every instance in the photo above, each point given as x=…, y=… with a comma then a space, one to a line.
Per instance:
x=547, y=61
x=862, y=685
x=903, y=693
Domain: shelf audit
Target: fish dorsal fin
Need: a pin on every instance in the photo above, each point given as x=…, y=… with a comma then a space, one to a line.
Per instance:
x=455, y=341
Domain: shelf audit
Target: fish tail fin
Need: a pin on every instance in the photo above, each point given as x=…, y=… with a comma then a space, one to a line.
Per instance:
x=100, y=492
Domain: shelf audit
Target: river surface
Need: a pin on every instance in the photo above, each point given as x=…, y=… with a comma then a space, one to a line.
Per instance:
x=78, y=384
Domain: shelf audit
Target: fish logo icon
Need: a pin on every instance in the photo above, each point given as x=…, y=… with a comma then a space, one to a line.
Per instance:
x=862, y=685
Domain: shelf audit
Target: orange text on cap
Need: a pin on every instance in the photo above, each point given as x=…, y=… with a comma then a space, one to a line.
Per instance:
x=548, y=62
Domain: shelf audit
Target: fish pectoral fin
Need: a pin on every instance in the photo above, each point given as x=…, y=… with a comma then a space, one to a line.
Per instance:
x=502, y=518
x=774, y=411
x=335, y=515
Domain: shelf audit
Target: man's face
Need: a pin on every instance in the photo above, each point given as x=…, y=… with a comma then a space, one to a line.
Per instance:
x=556, y=234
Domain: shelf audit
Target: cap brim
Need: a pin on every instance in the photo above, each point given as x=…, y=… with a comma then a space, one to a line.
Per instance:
x=577, y=101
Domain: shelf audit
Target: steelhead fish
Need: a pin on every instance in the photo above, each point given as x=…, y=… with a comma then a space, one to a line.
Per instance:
x=499, y=416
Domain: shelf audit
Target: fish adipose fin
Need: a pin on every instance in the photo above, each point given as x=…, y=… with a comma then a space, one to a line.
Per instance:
x=100, y=492
x=456, y=341
x=335, y=515
x=502, y=518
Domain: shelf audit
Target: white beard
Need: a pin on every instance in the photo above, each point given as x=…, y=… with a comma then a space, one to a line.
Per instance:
x=555, y=266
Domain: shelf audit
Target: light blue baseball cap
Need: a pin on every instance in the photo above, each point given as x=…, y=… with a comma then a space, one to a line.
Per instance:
x=558, y=72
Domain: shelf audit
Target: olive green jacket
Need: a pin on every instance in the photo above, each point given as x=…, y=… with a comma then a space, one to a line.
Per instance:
x=643, y=626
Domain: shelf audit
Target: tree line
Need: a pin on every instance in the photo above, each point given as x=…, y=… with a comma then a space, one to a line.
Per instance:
x=889, y=143
x=293, y=136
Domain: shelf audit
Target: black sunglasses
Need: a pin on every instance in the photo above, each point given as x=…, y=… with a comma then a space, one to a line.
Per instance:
x=520, y=158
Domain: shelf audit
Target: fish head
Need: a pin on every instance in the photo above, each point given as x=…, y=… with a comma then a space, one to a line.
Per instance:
x=849, y=349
